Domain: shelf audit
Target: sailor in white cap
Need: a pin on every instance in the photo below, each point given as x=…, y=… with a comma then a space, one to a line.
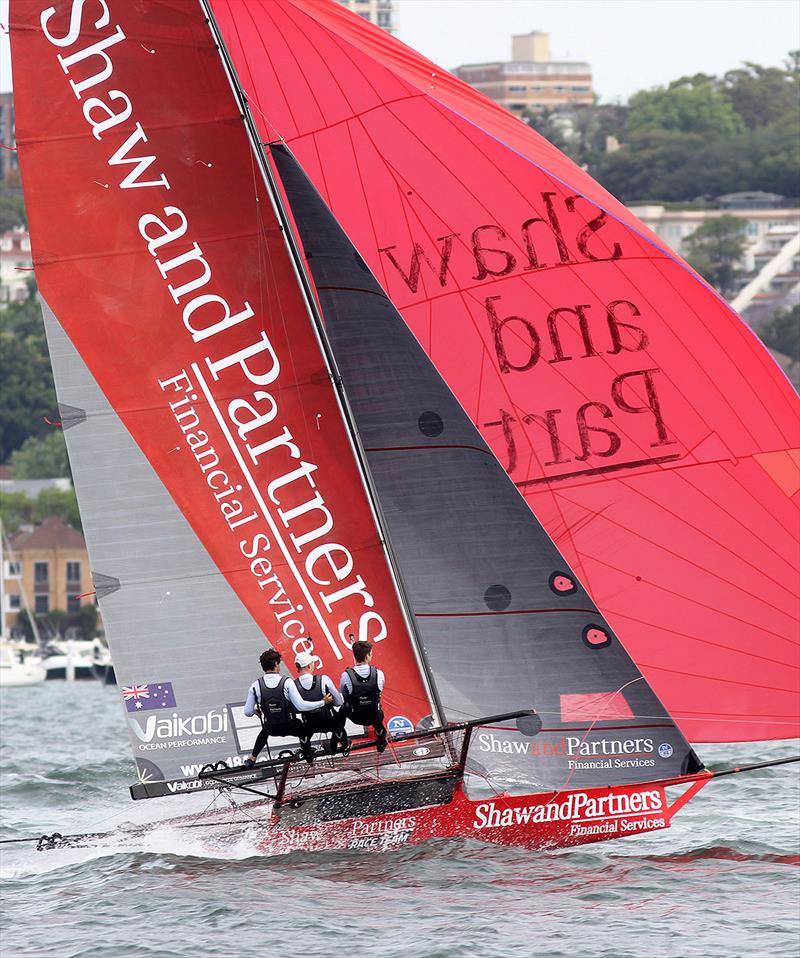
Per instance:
x=311, y=687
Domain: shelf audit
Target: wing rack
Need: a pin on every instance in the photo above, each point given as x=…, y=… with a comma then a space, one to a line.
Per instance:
x=417, y=769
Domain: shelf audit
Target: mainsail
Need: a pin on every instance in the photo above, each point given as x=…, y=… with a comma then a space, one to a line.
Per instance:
x=504, y=622
x=224, y=508
x=649, y=431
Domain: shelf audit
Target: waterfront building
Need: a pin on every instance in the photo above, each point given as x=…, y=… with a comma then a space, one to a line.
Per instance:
x=531, y=81
x=15, y=263
x=45, y=567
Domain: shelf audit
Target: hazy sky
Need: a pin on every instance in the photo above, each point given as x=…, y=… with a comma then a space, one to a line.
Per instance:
x=630, y=44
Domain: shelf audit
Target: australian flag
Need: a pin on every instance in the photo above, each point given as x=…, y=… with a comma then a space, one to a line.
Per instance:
x=141, y=698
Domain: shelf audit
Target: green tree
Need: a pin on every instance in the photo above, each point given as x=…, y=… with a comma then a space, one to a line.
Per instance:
x=27, y=394
x=41, y=457
x=685, y=106
x=762, y=95
x=581, y=131
x=24, y=625
x=58, y=502
x=86, y=620
x=12, y=210
x=782, y=332
x=56, y=623
x=16, y=509
x=715, y=248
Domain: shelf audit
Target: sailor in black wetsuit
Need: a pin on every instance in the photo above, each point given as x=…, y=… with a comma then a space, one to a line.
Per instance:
x=277, y=701
x=310, y=687
x=361, y=687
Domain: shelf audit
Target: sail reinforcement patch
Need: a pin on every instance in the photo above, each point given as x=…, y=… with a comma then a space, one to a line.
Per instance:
x=497, y=598
x=430, y=424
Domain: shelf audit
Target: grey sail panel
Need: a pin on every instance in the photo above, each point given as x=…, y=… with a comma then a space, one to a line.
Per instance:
x=184, y=647
x=504, y=622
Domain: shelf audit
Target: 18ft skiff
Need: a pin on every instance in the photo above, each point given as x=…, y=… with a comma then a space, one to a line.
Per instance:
x=262, y=447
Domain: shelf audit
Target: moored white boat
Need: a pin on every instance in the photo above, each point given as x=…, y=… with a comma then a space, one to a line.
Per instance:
x=18, y=667
x=70, y=659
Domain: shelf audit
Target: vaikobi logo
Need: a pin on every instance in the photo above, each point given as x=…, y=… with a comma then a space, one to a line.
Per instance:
x=161, y=731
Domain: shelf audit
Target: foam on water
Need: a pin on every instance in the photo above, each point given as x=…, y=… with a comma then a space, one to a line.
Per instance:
x=722, y=881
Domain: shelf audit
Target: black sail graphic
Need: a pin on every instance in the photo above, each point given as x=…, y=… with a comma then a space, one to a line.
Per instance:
x=504, y=621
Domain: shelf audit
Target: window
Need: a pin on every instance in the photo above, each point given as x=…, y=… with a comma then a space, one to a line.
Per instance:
x=42, y=605
x=13, y=569
x=14, y=602
x=73, y=572
x=517, y=89
x=73, y=604
x=41, y=571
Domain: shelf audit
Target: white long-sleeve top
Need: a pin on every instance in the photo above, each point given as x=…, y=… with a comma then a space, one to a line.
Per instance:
x=271, y=680
x=363, y=670
x=328, y=688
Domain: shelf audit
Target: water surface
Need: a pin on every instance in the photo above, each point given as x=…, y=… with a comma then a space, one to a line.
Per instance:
x=723, y=881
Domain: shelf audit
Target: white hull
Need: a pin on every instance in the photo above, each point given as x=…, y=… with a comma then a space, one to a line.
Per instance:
x=14, y=673
x=72, y=661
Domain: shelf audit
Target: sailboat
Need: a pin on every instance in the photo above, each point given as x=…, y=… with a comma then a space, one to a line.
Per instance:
x=265, y=454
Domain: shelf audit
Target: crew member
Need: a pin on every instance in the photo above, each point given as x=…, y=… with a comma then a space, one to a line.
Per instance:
x=310, y=687
x=361, y=687
x=276, y=699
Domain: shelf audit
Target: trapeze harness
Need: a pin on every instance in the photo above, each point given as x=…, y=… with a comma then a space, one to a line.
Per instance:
x=321, y=719
x=364, y=699
x=277, y=715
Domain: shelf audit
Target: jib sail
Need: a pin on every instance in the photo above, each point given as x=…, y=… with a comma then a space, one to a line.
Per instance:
x=646, y=426
x=223, y=506
x=505, y=623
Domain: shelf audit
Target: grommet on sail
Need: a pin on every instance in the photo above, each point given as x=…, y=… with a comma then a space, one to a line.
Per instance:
x=264, y=452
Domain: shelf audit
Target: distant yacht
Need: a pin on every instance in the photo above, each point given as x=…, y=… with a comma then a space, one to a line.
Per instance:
x=70, y=659
x=19, y=667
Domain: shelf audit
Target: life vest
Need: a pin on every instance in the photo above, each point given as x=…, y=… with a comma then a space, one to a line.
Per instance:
x=276, y=710
x=364, y=699
x=314, y=694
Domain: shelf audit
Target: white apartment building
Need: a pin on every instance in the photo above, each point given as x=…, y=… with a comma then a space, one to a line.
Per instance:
x=15, y=263
x=379, y=12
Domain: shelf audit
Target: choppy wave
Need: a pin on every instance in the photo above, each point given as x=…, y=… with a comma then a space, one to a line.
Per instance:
x=721, y=882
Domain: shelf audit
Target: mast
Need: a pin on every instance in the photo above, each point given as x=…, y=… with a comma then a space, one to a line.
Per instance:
x=306, y=288
x=2, y=583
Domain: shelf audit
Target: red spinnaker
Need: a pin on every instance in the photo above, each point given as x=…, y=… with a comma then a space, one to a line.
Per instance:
x=160, y=255
x=649, y=430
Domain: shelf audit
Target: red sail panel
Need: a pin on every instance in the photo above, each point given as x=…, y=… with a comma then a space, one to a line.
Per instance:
x=160, y=255
x=649, y=430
